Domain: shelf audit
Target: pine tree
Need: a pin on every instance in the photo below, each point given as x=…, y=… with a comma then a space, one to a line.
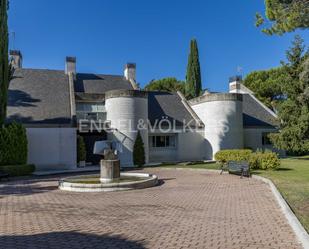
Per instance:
x=139, y=151
x=283, y=16
x=193, y=77
x=294, y=111
x=4, y=61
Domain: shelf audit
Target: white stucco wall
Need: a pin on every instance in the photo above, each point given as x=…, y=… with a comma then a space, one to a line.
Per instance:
x=193, y=147
x=223, y=124
x=159, y=155
x=52, y=148
x=124, y=114
x=253, y=139
x=190, y=146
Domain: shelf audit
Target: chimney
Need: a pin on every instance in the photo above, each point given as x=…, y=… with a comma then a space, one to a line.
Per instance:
x=16, y=58
x=235, y=84
x=130, y=72
x=70, y=65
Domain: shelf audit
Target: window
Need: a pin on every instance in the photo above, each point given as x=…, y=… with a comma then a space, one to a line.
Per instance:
x=265, y=138
x=168, y=141
x=90, y=111
x=90, y=107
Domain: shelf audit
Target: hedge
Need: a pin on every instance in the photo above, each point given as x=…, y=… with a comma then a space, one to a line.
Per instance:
x=266, y=160
x=257, y=160
x=18, y=170
x=13, y=145
x=224, y=156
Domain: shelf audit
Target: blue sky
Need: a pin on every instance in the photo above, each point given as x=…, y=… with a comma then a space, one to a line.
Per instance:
x=105, y=34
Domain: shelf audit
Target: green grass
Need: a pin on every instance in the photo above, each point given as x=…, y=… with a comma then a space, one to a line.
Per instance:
x=291, y=179
x=192, y=166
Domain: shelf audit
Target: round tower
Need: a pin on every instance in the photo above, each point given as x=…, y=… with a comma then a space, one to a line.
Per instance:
x=127, y=111
x=222, y=115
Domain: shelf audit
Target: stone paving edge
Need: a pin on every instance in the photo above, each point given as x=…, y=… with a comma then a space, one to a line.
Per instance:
x=297, y=227
x=299, y=230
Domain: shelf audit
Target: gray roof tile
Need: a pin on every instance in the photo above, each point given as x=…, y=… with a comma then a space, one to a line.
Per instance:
x=39, y=96
x=100, y=83
x=170, y=106
x=255, y=115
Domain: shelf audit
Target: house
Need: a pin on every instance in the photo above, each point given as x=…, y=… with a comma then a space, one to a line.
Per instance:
x=57, y=105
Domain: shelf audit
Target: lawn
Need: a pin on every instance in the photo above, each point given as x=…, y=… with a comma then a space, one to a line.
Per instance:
x=291, y=178
x=192, y=166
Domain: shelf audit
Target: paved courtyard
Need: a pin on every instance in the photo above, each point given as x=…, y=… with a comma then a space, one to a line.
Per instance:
x=189, y=209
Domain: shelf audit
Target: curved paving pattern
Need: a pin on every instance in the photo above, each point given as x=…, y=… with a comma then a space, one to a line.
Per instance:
x=192, y=209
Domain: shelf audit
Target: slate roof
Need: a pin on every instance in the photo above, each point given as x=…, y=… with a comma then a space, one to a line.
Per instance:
x=100, y=83
x=255, y=115
x=39, y=96
x=169, y=105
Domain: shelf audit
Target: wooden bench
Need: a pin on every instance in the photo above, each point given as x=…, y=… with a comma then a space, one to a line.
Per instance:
x=241, y=168
x=3, y=175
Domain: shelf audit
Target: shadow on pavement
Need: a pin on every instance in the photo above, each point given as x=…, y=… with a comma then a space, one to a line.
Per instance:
x=71, y=239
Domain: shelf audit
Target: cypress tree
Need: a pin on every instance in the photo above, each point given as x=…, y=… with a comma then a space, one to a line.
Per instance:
x=139, y=151
x=4, y=60
x=193, y=77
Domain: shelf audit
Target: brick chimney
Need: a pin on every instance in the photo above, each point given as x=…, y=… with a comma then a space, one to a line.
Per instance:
x=70, y=65
x=16, y=59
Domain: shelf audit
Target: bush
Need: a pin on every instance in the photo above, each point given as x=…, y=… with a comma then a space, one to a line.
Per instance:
x=81, y=149
x=139, y=151
x=18, y=170
x=266, y=160
x=257, y=160
x=224, y=156
x=13, y=145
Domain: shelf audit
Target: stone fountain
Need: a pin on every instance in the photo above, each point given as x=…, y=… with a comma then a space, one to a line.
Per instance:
x=110, y=178
x=110, y=164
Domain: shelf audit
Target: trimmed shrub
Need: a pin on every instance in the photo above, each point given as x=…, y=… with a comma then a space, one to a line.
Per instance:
x=254, y=160
x=224, y=156
x=81, y=149
x=13, y=145
x=139, y=151
x=266, y=160
x=257, y=160
x=18, y=170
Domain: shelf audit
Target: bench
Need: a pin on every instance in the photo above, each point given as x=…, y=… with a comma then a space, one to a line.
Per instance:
x=240, y=168
x=3, y=175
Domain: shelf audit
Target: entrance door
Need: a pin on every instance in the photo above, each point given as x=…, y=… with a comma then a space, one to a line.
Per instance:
x=90, y=139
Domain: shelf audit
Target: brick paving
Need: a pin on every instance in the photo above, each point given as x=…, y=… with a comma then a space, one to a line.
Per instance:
x=191, y=209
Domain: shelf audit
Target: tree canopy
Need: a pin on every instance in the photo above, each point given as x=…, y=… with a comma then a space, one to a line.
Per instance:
x=293, y=112
x=284, y=16
x=170, y=84
x=267, y=85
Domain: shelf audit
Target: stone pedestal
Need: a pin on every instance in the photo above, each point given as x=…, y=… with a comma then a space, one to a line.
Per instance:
x=110, y=170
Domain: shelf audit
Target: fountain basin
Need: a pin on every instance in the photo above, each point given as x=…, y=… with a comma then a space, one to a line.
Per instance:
x=91, y=183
